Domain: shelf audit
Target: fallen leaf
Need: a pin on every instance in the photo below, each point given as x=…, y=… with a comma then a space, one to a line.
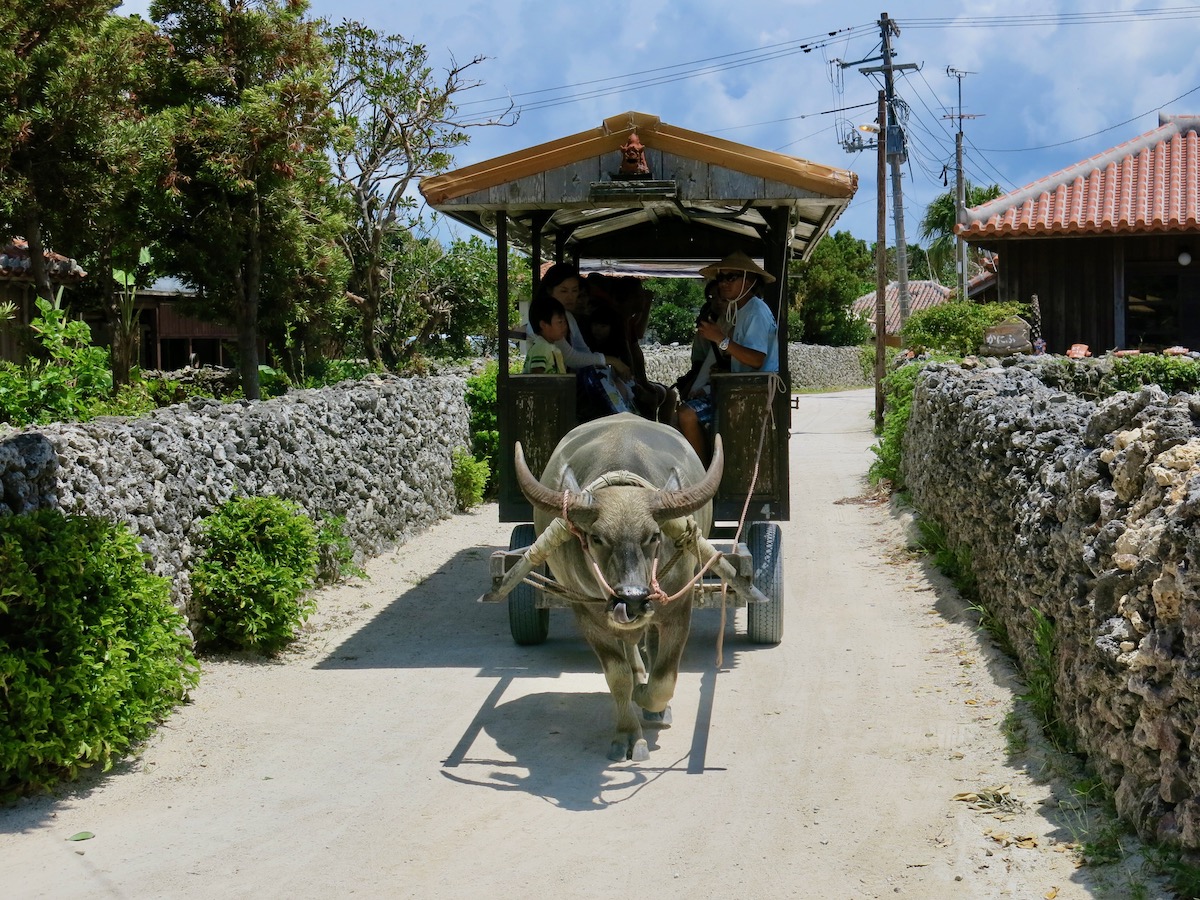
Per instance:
x=1051, y=894
x=82, y=836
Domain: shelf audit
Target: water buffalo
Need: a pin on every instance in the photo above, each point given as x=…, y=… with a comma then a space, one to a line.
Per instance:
x=619, y=496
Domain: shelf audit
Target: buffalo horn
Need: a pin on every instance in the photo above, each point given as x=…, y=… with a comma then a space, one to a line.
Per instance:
x=673, y=504
x=545, y=498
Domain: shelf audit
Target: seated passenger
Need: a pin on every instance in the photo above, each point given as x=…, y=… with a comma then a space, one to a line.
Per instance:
x=618, y=316
x=548, y=320
x=561, y=282
x=706, y=356
x=599, y=374
x=751, y=343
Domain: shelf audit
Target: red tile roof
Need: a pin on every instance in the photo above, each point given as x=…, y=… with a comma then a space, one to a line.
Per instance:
x=1149, y=185
x=15, y=266
x=921, y=295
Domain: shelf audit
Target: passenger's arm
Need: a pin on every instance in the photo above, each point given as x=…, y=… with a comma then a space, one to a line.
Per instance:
x=743, y=353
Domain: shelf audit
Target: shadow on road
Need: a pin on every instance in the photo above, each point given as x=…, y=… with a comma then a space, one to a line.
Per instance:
x=551, y=743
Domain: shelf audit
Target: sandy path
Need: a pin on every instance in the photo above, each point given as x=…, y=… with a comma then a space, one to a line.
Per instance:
x=407, y=748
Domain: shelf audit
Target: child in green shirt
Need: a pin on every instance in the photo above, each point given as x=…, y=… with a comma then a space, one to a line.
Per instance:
x=548, y=320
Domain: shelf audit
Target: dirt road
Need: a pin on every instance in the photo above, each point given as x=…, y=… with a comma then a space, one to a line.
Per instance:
x=407, y=748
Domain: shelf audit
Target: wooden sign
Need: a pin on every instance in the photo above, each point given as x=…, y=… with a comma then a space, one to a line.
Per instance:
x=1004, y=338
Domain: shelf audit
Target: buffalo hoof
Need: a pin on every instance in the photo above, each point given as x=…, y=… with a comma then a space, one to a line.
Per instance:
x=623, y=749
x=662, y=719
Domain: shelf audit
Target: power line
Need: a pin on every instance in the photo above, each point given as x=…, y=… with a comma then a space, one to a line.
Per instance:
x=1170, y=14
x=1095, y=133
x=704, y=66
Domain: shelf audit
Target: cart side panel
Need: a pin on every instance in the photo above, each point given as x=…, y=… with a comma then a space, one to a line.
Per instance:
x=740, y=408
x=536, y=410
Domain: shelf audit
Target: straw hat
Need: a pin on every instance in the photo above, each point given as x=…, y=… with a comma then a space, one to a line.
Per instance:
x=738, y=261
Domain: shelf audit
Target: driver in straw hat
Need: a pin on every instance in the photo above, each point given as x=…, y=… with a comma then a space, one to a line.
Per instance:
x=746, y=334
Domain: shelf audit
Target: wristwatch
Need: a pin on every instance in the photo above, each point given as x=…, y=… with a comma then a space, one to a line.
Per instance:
x=724, y=345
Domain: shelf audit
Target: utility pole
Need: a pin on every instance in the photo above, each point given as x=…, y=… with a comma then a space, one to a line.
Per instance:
x=960, y=188
x=880, y=265
x=893, y=138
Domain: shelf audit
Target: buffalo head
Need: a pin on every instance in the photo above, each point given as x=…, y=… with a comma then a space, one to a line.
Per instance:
x=621, y=518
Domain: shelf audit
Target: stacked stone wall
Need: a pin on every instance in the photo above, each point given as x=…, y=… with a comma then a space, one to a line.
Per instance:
x=812, y=367
x=375, y=452
x=1087, y=511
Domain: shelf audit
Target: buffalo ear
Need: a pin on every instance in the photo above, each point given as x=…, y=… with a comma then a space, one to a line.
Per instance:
x=569, y=482
x=674, y=482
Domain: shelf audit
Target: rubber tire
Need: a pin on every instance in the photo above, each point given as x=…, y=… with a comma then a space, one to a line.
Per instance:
x=764, y=621
x=528, y=624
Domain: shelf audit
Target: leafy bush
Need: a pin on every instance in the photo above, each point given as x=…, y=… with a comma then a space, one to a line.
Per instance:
x=92, y=652
x=1172, y=373
x=673, y=311
x=866, y=360
x=63, y=383
x=956, y=327
x=470, y=477
x=485, y=433
x=898, y=387
x=258, y=560
x=272, y=382
x=326, y=372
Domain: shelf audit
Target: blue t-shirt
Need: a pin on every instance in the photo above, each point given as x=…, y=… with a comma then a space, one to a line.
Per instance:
x=755, y=328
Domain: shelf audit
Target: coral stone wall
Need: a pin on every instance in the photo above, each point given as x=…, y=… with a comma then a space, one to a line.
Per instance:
x=375, y=452
x=811, y=366
x=1090, y=513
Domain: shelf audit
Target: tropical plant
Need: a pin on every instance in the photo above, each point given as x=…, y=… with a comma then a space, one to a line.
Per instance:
x=937, y=226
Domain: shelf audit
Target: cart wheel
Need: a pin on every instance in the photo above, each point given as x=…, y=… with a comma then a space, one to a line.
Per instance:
x=764, y=621
x=528, y=624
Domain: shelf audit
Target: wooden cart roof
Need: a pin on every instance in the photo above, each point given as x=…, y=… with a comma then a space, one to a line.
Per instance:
x=703, y=198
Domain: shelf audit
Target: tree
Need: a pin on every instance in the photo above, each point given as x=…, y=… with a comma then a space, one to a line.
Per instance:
x=245, y=101
x=438, y=298
x=677, y=301
x=397, y=123
x=937, y=225
x=840, y=270
x=131, y=156
x=62, y=84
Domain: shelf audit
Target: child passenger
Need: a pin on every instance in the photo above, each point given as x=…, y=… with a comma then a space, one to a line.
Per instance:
x=548, y=320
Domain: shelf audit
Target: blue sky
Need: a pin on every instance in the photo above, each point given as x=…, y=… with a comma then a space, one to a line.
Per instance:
x=1048, y=83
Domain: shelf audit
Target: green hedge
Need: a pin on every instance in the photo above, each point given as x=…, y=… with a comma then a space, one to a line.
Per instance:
x=257, y=563
x=92, y=652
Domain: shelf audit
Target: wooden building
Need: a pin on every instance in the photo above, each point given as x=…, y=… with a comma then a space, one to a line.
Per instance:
x=1110, y=245
x=16, y=287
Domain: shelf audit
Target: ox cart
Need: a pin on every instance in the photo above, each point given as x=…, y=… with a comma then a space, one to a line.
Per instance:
x=689, y=200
